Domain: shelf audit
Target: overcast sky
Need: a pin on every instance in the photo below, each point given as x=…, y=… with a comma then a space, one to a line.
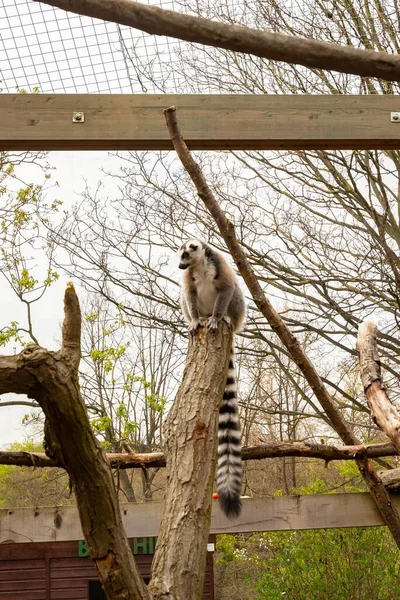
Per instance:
x=72, y=169
x=63, y=52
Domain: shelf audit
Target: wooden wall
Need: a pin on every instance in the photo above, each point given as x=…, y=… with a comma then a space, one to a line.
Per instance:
x=54, y=571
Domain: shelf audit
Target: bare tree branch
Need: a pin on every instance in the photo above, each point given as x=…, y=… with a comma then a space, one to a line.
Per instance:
x=273, y=450
x=227, y=230
x=19, y=403
x=391, y=479
x=274, y=46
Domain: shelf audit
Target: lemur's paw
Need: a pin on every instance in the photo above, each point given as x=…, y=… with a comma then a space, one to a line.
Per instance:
x=212, y=323
x=227, y=320
x=194, y=325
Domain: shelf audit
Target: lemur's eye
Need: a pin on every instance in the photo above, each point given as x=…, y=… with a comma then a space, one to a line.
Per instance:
x=193, y=247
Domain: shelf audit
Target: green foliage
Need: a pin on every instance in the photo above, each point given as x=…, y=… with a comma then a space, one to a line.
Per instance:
x=230, y=548
x=25, y=486
x=335, y=564
x=354, y=480
x=332, y=564
x=128, y=427
x=128, y=406
x=318, y=486
x=33, y=417
x=9, y=333
x=91, y=317
x=22, y=237
x=156, y=402
x=108, y=356
x=101, y=424
x=24, y=283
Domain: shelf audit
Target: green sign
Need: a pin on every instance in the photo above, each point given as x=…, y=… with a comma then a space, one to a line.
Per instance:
x=139, y=546
x=146, y=545
x=83, y=550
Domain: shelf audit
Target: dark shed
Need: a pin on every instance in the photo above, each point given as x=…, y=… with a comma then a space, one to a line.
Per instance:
x=63, y=570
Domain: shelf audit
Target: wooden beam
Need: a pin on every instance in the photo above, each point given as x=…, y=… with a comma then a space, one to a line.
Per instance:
x=208, y=122
x=318, y=511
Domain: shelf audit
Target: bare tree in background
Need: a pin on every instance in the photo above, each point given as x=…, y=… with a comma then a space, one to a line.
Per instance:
x=129, y=375
x=321, y=229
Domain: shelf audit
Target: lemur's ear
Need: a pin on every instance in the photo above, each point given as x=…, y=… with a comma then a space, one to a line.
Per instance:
x=193, y=247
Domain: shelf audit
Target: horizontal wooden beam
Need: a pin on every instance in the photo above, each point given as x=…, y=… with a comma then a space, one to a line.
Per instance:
x=208, y=122
x=318, y=511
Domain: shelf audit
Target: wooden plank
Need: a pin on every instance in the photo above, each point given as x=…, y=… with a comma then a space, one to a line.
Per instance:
x=319, y=511
x=208, y=122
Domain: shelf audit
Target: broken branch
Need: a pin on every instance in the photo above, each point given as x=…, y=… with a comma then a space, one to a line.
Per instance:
x=383, y=412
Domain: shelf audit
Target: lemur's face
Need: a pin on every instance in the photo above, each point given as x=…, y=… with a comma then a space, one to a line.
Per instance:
x=189, y=252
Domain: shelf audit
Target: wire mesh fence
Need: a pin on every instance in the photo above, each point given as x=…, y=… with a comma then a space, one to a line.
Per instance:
x=54, y=51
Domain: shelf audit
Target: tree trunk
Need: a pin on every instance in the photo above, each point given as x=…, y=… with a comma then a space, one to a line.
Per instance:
x=51, y=378
x=126, y=486
x=191, y=443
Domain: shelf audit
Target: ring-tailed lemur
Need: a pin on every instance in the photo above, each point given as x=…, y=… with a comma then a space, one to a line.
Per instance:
x=210, y=290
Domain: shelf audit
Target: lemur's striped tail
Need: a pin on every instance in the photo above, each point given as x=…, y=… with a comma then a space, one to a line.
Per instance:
x=229, y=466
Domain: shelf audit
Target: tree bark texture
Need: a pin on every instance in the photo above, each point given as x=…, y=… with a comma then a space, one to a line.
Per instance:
x=274, y=450
x=391, y=480
x=51, y=378
x=191, y=445
x=274, y=46
x=227, y=231
x=383, y=412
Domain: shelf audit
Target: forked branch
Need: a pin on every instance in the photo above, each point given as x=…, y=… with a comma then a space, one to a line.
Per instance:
x=51, y=378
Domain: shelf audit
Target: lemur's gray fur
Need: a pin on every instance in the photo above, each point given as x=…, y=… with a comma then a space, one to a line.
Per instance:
x=210, y=290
